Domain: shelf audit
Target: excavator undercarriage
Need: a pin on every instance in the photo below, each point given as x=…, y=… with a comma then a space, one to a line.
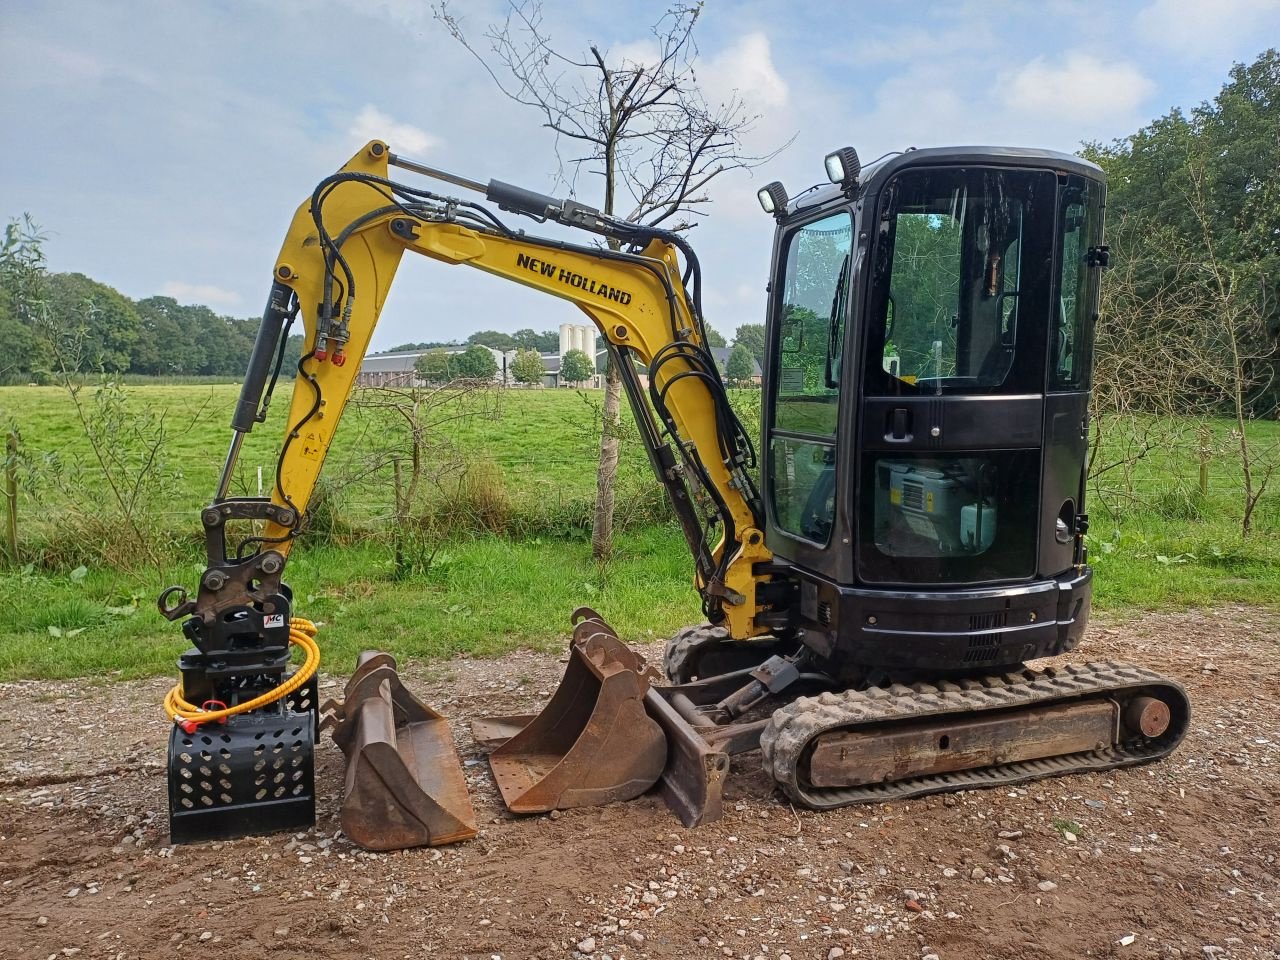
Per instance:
x=875, y=583
x=827, y=745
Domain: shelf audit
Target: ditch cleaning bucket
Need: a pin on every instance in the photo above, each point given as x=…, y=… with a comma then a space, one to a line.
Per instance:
x=404, y=783
x=593, y=743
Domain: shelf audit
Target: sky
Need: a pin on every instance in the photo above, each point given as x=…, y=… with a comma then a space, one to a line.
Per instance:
x=164, y=146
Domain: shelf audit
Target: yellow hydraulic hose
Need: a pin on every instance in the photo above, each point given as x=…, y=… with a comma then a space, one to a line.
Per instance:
x=302, y=633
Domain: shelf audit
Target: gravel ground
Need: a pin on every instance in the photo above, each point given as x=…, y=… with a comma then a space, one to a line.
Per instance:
x=1176, y=859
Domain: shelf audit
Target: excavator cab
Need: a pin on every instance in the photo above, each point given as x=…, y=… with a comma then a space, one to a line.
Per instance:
x=927, y=405
x=921, y=497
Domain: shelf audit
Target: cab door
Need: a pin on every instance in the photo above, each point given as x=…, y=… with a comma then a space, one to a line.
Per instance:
x=805, y=382
x=1074, y=316
x=952, y=410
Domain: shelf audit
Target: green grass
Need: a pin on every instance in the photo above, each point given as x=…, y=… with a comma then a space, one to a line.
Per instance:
x=1155, y=543
x=543, y=442
x=1148, y=562
x=484, y=596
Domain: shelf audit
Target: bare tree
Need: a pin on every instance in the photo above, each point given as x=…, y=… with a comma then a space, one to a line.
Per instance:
x=641, y=124
x=1143, y=368
x=404, y=430
x=1181, y=341
x=1240, y=350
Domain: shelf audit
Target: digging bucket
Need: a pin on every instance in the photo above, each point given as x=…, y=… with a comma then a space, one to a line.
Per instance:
x=593, y=743
x=404, y=783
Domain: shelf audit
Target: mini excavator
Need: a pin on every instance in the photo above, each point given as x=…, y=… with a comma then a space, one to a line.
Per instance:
x=874, y=587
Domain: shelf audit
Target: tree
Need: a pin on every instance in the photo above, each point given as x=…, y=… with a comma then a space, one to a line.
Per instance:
x=576, y=367
x=741, y=368
x=106, y=319
x=428, y=345
x=434, y=366
x=751, y=336
x=22, y=299
x=1205, y=181
x=493, y=338
x=163, y=347
x=528, y=367
x=643, y=127
x=1193, y=300
x=475, y=363
x=528, y=339
x=715, y=338
x=403, y=432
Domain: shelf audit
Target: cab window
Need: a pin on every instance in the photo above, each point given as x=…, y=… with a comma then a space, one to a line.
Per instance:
x=806, y=352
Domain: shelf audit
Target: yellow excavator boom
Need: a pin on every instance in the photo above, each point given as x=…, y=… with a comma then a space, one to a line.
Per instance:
x=636, y=299
x=335, y=269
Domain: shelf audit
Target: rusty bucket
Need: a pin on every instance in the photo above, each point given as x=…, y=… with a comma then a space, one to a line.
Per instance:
x=404, y=783
x=593, y=743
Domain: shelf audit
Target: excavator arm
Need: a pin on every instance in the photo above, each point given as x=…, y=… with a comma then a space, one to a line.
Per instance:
x=338, y=264
x=335, y=269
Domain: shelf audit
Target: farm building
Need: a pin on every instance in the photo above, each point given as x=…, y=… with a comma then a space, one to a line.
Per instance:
x=397, y=368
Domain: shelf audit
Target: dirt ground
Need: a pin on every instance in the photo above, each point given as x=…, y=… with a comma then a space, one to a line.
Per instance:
x=1177, y=859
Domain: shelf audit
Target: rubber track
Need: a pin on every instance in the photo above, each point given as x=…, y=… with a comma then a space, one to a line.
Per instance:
x=793, y=728
x=686, y=644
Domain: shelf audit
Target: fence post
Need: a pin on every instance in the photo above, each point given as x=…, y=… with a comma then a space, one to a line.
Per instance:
x=1206, y=444
x=11, y=496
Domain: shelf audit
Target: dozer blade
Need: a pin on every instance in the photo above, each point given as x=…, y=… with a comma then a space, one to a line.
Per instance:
x=404, y=783
x=593, y=743
x=693, y=779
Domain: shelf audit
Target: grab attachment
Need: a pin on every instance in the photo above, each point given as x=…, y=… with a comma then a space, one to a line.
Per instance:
x=593, y=743
x=404, y=782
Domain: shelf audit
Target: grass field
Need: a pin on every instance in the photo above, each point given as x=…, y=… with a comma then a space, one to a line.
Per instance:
x=1154, y=542
x=544, y=443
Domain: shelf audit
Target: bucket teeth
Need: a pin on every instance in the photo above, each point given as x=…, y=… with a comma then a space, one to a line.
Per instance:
x=594, y=742
x=404, y=783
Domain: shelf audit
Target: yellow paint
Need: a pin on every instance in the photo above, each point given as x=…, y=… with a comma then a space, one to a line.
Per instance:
x=627, y=303
x=928, y=502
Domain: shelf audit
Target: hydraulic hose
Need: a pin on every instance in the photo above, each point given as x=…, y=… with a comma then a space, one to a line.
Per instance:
x=301, y=633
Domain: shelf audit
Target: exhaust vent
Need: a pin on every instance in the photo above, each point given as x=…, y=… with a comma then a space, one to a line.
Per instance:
x=988, y=621
x=983, y=647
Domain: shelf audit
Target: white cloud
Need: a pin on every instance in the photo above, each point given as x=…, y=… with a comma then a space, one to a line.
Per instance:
x=746, y=68
x=641, y=53
x=373, y=124
x=1079, y=88
x=415, y=14
x=200, y=293
x=918, y=45
x=36, y=63
x=920, y=107
x=1204, y=29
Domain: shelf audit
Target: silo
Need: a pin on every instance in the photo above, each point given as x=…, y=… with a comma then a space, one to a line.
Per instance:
x=566, y=338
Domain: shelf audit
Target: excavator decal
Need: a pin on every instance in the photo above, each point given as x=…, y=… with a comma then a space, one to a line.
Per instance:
x=548, y=269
